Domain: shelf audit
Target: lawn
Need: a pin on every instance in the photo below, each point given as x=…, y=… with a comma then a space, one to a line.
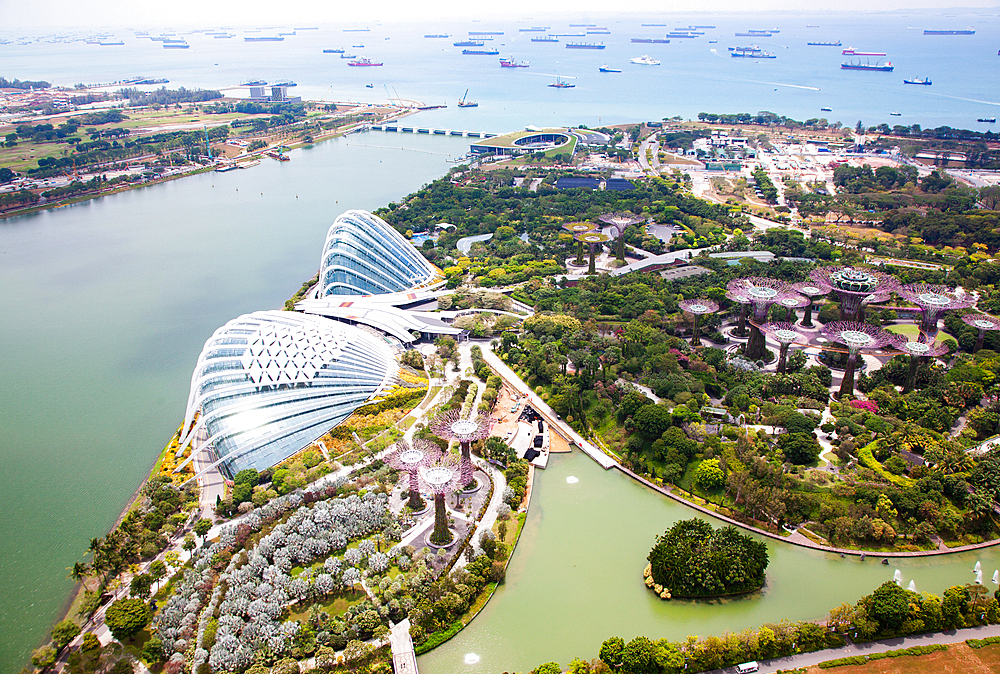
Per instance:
x=334, y=607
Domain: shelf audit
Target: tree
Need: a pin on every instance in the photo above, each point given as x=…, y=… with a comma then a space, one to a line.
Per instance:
x=639, y=656
x=202, y=526
x=189, y=543
x=43, y=657
x=64, y=632
x=799, y=448
x=652, y=420
x=548, y=667
x=90, y=642
x=126, y=618
x=888, y=605
x=152, y=651
x=709, y=474
x=140, y=585
x=611, y=652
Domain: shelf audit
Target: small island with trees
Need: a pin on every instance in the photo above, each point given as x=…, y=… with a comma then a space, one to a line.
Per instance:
x=693, y=560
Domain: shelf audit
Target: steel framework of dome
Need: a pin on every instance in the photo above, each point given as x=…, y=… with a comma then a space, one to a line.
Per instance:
x=364, y=255
x=620, y=222
x=983, y=323
x=761, y=293
x=934, y=300
x=697, y=308
x=856, y=288
x=410, y=459
x=576, y=228
x=916, y=351
x=785, y=334
x=268, y=384
x=811, y=290
x=440, y=479
x=857, y=337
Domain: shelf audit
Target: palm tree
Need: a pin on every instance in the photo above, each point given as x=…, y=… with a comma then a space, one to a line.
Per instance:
x=78, y=571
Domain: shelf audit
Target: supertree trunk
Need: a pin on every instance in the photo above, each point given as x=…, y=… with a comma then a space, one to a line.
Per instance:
x=466, y=452
x=807, y=318
x=790, y=315
x=579, y=253
x=755, y=345
x=847, y=386
x=741, y=330
x=415, y=502
x=441, y=534
x=979, y=341
x=695, y=340
x=928, y=327
x=911, y=375
x=782, y=357
x=592, y=268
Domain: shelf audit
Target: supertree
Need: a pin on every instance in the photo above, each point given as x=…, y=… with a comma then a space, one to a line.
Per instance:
x=441, y=479
x=620, y=222
x=592, y=239
x=856, y=288
x=451, y=426
x=857, y=337
x=812, y=290
x=576, y=228
x=982, y=322
x=762, y=293
x=410, y=459
x=792, y=303
x=934, y=300
x=785, y=334
x=918, y=350
x=697, y=308
x=744, y=301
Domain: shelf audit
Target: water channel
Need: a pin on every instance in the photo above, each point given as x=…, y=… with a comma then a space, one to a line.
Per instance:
x=576, y=579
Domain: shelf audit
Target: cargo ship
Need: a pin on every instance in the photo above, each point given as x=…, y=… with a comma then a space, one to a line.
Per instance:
x=886, y=67
x=583, y=25
x=653, y=24
x=534, y=29
x=599, y=31
x=987, y=120
x=176, y=45
x=743, y=52
x=831, y=44
x=584, y=45
x=690, y=36
x=568, y=35
x=437, y=36
x=704, y=27
x=509, y=62
x=650, y=40
x=481, y=52
x=749, y=34
x=609, y=69
x=468, y=43
x=919, y=80
x=333, y=51
x=357, y=30
x=364, y=62
x=548, y=38
x=851, y=51
x=485, y=32
x=967, y=31
x=267, y=38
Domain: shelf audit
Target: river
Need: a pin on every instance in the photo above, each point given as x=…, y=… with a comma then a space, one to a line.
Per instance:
x=576, y=578
x=106, y=305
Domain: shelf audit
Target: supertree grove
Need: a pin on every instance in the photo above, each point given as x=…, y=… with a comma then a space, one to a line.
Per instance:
x=811, y=290
x=410, y=459
x=785, y=334
x=762, y=293
x=441, y=479
x=451, y=426
x=619, y=223
x=592, y=239
x=577, y=228
x=857, y=337
x=982, y=322
x=918, y=350
x=856, y=288
x=697, y=308
x=934, y=300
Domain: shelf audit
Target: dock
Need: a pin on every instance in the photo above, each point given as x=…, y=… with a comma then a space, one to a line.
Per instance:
x=395, y=128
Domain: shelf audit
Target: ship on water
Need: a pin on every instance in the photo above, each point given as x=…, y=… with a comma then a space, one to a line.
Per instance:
x=176, y=45
x=751, y=53
x=485, y=32
x=584, y=45
x=547, y=38
x=465, y=102
x=560, y=83
x=534, y=29
x=468, y=43
x=265, y=38
x=481, y=52
x=886, y=67
x=827, y=44
x=333, y=51
x=364, y=62
x=650, y=40
x=752, y=34
x=509, y=62
x=656, y=25
x=919, y=80
x=609, y=69
x=851, y=51
x=437, y=36
x=645, y=60
x=967, y=31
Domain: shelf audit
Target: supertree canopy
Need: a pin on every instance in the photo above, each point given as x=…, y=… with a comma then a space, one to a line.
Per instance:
x=443, y=478
x=697, y=308
x=592, y=239
x=410, y=459
x=856, y=288
x=982, y=322
x=620, y=222
x=451, y=426
x=934, y=300
x=857, y=337
x=812, y=290
x=762, y=293
x=918, y=350
x=792, y=303
x=576, y=228
x=785, y=334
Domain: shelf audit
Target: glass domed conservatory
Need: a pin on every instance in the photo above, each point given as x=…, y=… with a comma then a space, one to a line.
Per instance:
x=364, y=255
x=270, y=383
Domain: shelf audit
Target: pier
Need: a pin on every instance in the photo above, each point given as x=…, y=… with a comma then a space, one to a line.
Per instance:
x=394, y=128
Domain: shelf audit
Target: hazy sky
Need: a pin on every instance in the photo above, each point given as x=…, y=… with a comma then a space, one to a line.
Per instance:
x=151, y=13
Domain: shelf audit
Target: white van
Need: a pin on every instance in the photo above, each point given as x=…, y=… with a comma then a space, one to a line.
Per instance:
x=747, y=667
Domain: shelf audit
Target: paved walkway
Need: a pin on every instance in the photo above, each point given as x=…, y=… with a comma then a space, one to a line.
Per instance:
x=404, y=658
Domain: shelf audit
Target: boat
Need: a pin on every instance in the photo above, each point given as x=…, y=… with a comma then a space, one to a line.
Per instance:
x=919, y=80
x=583, y=25
x=829, y=44
x=987, y=120
x=851, y=51
x=752, y=53
x=509, y=62
x=333, y=51
x=112, y=44
x=569, y=35
x=465, y=102
x=222, y=168
x=468, y=43
x=967, y=31
x=357, y=46
x=748, y=34
x=608, y=69
x=645, y=60
x=650, y=40
x=703, y=27
x=267, y=38
x=369, y=86
x=682, y=35
x=886, y=67
x=548, y=38
x=176, y=45
x=364, y=62
x=656, y=24
x=560, y=84
x=713, y=42
x=485, y=32
x=895, y=114
x=533, y=29
x=584, y=45
x=481, y=52
x=812, y=25
x=826, y=109
x=762, y=31
x=348, y=56
x=437, y=36
x=357, y=30
x=599, y=32
x=291, y=33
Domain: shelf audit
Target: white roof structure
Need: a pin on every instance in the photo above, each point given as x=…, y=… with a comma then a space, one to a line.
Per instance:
x=381, y=315
x=268, y=384
x=364, y=255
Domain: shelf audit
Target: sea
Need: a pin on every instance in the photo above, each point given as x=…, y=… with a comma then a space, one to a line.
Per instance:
x=105, y=305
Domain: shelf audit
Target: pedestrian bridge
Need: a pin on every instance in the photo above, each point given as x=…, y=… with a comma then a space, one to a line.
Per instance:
x=404, y=658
